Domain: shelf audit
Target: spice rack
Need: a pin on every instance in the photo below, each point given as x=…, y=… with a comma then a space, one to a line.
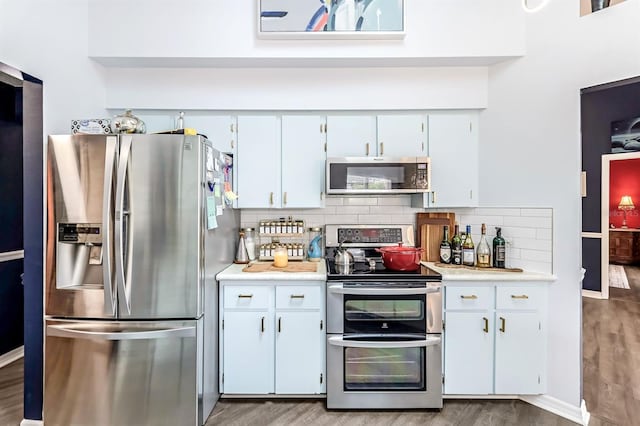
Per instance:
x=289, y=232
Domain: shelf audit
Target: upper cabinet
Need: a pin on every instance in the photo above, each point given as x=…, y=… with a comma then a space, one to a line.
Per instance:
x=453, y=150
x=389, y=135
x=281, y=161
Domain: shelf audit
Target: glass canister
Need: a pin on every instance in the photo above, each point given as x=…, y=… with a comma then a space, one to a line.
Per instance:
x=315, y=251
x=280, y=256
x=250, y=242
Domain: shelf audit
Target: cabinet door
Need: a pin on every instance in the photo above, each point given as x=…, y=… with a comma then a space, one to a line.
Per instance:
x=303, y=161
x=258, y=162
x=299, y=349
x=468, y=353
x=453, y=149
x=219, y=129
x=248, y=352
x=520, y=353
x=401, y=135
x=351, y=135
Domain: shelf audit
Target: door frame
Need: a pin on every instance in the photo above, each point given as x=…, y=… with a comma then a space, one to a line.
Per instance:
x=604, y=218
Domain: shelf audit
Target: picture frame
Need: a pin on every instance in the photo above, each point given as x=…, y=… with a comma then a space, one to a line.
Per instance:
x=331, y=19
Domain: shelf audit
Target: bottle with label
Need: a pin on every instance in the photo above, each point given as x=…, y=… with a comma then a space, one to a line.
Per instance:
x=456, y=247
x=445, y=247
x=499, y=250
x=468, y=249
x=483, y=252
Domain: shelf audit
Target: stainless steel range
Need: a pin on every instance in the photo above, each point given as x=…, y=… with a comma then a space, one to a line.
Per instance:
x=383, y=327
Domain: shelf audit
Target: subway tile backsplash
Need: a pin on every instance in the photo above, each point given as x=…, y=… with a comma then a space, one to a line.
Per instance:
x=528, y=231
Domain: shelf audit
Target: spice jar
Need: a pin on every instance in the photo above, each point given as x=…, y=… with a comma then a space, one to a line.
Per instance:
x=280, y=257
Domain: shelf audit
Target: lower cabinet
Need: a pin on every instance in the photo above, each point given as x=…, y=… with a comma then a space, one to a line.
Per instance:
x=495, y=339
x=272, y=337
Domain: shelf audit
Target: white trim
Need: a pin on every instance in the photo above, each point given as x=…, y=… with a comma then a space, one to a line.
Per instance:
x=487, y=397
x=28, y=422
x=557, y=406
x=11, y=255
x=585, y=414
x=592, y=294
x=592, y=235
x=11, y=356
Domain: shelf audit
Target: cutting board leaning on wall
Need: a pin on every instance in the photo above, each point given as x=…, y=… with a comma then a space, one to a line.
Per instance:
x=431, y=231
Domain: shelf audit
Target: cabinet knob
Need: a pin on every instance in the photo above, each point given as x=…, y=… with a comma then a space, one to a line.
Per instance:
x=367, y=148
x=381, y=148
x=279, y=324
x=486, y=324
x=522, y=296
x=262, y=325
x=297, y=296
x=472, y=297
x=271, y=198
x=284, y=198
x=245, y=296
x=503, y=323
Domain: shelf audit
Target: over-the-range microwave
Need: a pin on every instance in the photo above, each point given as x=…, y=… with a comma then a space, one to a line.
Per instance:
x=378, y=175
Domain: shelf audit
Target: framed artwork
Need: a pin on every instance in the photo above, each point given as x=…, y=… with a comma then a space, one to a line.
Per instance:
x=590, y=6
x=331, y=19
x=625, y=135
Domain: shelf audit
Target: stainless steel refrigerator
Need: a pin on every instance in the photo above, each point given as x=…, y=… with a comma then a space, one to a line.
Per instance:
x=137, y=229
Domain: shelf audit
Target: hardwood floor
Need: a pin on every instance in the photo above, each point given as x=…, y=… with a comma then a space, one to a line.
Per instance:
x=611, y=354
x=455, y=412
x=11, y=379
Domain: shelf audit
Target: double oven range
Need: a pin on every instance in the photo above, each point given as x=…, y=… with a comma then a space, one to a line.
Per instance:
x=383, y=327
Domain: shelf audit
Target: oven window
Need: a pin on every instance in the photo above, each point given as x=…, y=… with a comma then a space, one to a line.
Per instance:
x=387, y=310
x=384, y=369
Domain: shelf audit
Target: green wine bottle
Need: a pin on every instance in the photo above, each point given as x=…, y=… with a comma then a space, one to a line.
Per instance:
x=499, y=250
x=445, y=247
x=456, y=247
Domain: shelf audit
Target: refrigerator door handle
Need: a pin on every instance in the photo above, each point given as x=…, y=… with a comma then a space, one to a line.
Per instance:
x=109, y=291
x=124, y=291
x=94, y=333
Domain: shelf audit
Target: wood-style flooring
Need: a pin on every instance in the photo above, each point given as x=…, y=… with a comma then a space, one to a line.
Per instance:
x=611, y=354
x=11, y=385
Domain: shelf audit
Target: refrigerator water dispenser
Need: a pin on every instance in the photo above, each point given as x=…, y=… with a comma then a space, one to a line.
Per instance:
x=79, y=255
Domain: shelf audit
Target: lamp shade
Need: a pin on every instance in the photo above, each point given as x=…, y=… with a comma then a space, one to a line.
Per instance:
x=626, y=203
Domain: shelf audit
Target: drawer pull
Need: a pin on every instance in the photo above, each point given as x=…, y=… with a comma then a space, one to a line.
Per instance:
x=245, y=296
x=279, y=324
x=522, y=296
x=486, y=324
x=472, y=297
x=262, y=325
x=503, y=323
x=297, y=296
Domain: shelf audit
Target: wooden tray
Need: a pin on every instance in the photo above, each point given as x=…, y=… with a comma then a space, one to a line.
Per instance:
x=477, y=268
x=291, y=267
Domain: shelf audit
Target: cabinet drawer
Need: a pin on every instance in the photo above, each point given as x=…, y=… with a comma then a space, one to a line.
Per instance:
x=246, y=297
x=469, y=297
x=520, y=297
x=298, y=297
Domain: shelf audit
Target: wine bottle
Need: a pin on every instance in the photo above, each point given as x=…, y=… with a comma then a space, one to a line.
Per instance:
x=445, y=247
x=468, y=252
x=483, y=252
x=499, y=250
x=456, y=247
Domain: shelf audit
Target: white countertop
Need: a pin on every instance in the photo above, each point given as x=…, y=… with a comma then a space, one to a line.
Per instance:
x=234, y=273
x=462, y=274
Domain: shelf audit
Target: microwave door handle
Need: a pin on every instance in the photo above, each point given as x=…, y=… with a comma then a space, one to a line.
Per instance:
x=347, y=343
x=107, y=196
x=124, y=291
x=375, y=291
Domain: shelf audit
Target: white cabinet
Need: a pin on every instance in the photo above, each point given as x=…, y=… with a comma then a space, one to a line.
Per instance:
x=389, y=135
x=280, y=161
x=495, y=344
x=453, y=150
x=303, y=161
x=272, y=338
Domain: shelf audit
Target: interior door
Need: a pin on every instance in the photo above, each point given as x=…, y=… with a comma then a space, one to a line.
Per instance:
x=158, y=208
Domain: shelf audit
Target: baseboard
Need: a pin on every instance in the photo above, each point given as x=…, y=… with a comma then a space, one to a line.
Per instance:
x=27, y=422
x=11, y=356
x=585, y=414
x=592, y=294
x=559, y=407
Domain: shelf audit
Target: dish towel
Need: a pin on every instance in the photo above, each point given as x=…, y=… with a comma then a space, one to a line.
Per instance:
x=617, y=277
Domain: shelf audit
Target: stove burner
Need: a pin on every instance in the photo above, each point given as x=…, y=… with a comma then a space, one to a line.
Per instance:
x=375, y=269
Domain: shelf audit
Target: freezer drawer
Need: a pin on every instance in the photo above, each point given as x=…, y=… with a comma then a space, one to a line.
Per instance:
x=121, y=373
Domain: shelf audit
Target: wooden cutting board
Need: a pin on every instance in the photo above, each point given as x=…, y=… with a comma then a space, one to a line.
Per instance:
x=291, y=267
x=431, y=232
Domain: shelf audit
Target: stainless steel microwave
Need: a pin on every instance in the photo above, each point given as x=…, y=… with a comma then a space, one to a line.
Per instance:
x=378, y=175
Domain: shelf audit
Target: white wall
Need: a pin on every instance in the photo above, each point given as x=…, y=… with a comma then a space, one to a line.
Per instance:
x=226, y=32
x=530, y=145
x=48, y=39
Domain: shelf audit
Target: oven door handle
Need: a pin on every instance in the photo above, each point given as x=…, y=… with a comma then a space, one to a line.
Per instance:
x=348, y=343
x=374, y=291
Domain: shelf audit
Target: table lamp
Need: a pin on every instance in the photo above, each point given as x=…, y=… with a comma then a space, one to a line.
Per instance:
x=626, y=204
